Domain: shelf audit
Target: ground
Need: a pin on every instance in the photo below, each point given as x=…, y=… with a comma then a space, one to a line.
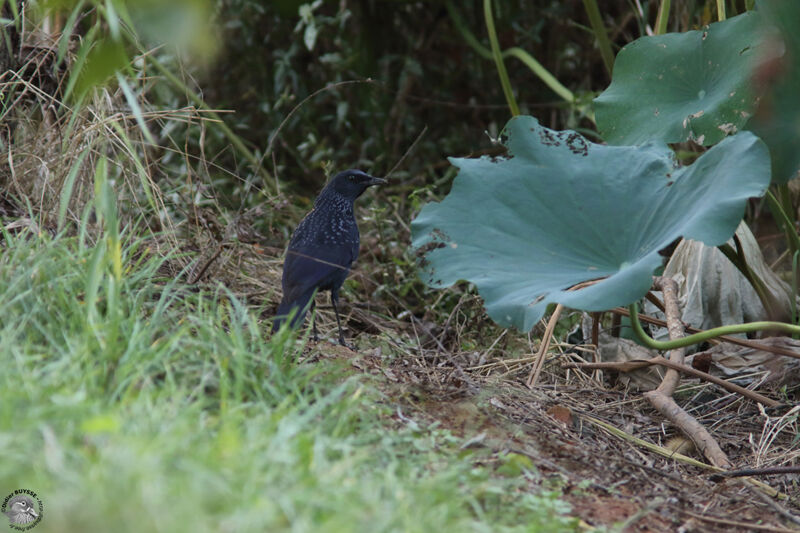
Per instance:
x=608, y=480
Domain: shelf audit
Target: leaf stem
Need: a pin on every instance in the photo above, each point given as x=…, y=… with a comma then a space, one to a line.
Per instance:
x=498, y=58
x=793, y=297
x=663, y=16
x=782, y=218
x=739, y=260
x=703, y=336
x=593, y=12
x=721, y=10
x=542, y=72
x=517, y=52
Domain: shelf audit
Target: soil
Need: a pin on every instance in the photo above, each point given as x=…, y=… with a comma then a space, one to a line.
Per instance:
x=608, y=480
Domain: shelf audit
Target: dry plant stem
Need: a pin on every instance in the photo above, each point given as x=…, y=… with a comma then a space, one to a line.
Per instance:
x=724, y=338
x=661, y=398
x=769, y=471
x=596, y=318
x=691, y=427
x=653, y=299
x=629, y=366
x=675, y=328
x=744, y=525
x=778, y=508
x=196, y=277
x=551, y=326
x=410, y=148
x=533, y=377
x=671, y=454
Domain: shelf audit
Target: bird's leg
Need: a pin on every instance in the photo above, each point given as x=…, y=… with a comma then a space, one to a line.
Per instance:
x=334, y=299
x=314, y=321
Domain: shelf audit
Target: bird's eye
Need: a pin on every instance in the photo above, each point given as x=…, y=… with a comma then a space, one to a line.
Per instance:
x=351, y=177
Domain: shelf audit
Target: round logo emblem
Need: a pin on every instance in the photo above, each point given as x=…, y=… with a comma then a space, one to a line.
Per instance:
x=23, y=508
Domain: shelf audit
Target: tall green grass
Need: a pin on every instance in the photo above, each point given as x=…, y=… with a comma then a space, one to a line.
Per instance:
x=130, y=402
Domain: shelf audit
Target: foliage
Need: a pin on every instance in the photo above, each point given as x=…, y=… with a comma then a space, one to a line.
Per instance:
x=680, y=86
x=165, y=408
x=560, y=210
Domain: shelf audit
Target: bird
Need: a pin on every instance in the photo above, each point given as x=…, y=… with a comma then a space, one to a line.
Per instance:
x=21, y=511
x=322, y=250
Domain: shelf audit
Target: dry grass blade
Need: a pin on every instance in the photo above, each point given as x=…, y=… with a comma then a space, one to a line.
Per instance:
x=533, y=377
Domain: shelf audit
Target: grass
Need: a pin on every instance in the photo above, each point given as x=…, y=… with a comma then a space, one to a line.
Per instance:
x=130, y=402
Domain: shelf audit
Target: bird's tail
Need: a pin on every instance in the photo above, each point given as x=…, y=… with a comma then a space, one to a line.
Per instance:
x=292, y=309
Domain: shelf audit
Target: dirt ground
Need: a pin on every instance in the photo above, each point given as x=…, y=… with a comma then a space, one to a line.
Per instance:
x=577, y=430
x=608, y=480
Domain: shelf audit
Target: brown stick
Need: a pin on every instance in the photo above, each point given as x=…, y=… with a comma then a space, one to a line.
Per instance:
x=770, y=471
x=629, y=366
x=748, y=526
x=596, y=318
x=661, y=398
x=533, y=377
x=675, y=328
x=691, y=427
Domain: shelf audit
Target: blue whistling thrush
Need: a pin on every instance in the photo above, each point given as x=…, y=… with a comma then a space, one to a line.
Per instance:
x=322, y=249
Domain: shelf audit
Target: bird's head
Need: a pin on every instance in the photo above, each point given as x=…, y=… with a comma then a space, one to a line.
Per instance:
x=352, y=183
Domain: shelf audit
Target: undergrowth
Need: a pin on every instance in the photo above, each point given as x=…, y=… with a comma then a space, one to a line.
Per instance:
x=167, y=410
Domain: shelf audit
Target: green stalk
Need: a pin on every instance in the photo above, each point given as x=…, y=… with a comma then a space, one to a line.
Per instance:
x=498, y=58
x=516, y=52
x=784, y=196
x=593, y=12
x=740, y=261
x=542, y=72
x=782, y=218
x=721, y=10
x=793, y=299
x=703, y=336
x=663, y=16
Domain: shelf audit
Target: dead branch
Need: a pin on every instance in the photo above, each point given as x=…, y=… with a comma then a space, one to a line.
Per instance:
x=630, y=366
x=533, y=377
x=690, y=427
x=675, y=328
x=661, y=398
x=769, y=471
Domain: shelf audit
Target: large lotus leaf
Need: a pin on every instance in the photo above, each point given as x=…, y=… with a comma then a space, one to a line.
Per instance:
x=777, y=121
x=560, y=210
x=681, y=86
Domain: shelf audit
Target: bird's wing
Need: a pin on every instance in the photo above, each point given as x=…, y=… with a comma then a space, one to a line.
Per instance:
x=306, y=269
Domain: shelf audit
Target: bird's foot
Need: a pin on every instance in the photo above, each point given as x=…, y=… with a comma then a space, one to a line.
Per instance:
x=348, y=346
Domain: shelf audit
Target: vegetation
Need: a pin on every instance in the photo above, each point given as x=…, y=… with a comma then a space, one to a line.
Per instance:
x=156, y=157
x=160, y=408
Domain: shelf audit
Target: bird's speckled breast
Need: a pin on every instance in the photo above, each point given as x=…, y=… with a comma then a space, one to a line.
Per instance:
x=331, y=222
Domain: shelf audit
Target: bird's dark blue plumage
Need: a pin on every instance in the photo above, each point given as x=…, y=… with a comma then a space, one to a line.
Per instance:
x=322, y=248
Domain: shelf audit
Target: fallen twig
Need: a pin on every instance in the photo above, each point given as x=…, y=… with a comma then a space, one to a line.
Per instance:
x=661, y=398
x=770, y=471
x=629, y=366
x=748, y=526
x=533, y=377
x=671, y=454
